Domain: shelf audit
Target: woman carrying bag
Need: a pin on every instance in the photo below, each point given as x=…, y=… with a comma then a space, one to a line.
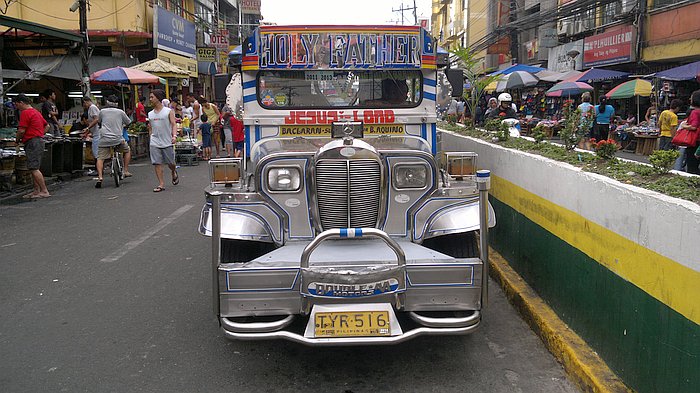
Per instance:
x=687, y=135
x=603, y=115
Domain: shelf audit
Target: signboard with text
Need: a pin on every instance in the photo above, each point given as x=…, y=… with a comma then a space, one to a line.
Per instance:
x=173, y=33
x=206, y=54
x=566, y=57
x=250, y=6
x=219, y=40
x=615, y=46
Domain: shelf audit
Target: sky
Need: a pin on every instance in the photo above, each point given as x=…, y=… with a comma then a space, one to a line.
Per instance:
x=341, y=12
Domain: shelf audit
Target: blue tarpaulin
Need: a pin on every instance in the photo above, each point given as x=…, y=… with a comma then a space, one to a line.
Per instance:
x=682, y=73
x=517, y=67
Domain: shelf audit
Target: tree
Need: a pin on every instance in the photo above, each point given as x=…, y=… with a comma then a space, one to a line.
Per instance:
x=469, y=64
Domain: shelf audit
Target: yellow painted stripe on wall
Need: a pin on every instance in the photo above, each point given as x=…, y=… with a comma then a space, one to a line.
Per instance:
x=671, y=283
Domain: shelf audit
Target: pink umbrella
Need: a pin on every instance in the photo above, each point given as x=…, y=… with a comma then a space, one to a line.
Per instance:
x=125, y=75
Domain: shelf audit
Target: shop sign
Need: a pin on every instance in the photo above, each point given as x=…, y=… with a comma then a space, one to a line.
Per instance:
x=548, y=37
x=566, y=57
x=206, y=54
x=173, y=33
x=424, y=23
x=186, y=63
x=219, y=40
x=531, y=47
x=250, y=6
x=615, y=46
x=500, y=47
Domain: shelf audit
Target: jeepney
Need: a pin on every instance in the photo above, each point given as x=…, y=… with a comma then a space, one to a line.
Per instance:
x=343, y=224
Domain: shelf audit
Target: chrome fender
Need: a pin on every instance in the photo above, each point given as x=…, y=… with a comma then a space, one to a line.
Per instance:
x=244, y=224
x=453, y=218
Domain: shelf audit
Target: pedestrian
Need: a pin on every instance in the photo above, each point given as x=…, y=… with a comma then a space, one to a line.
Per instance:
x=196, y=114
x=30, y=131
x=585, y=107
x=113, y=121
x=238, y=134
x=668, y=122
x=693, y=124
x=93, y=114
x=651, y=115
x=213, y=116
x=227, y=127
x=141, y=110
x=492, y=106
x=205, y=131
x=603, y=115
x=460, y=109
x=452, y=111
x=49, y=111
x=163, y=131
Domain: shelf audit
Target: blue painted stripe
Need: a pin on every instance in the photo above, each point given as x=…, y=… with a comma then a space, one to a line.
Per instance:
x=249, y=84
x=343, y=232
x=433, y=135
x=430, y=82
x=358, y=232
x=429, y=96
x=249, y=98
x=423, y=131
x=247, y=141
x=257, y=133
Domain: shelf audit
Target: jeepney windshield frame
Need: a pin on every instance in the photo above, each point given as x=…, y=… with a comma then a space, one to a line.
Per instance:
x=380, y=86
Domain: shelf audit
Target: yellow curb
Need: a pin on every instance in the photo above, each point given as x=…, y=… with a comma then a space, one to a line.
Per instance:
x=584, y=367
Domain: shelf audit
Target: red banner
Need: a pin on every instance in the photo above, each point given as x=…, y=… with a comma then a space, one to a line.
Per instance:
x=616, y=45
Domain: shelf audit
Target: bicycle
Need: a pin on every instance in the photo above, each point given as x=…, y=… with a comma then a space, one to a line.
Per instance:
x=117, y=167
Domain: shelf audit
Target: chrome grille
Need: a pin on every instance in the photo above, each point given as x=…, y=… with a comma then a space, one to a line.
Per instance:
x=348, y=193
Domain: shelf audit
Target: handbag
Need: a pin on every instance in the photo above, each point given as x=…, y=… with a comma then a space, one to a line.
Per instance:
x=685, y=137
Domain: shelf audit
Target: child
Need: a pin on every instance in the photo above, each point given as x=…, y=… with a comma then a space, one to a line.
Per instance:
x=186, y=125
x=668, y=122
x=205, y=130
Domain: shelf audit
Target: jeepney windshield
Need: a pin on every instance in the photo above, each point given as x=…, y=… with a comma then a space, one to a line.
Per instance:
x=339, y=88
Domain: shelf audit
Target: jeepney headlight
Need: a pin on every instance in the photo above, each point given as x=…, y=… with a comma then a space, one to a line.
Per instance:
x=284, y=179
x=410, y=176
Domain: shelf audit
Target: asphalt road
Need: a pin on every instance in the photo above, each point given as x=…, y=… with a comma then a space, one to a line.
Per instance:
x=109, y=290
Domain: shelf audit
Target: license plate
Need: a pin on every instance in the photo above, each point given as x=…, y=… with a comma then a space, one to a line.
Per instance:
x=352, y=324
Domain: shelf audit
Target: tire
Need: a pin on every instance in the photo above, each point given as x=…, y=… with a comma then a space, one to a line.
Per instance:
x=116, y=170
x=233, y=250
x=458, y=245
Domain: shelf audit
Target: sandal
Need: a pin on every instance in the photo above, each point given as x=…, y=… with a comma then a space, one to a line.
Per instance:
x=176, y=178
x=127, y=174
x=158, y=189
x=98, y=184
x=28, y=196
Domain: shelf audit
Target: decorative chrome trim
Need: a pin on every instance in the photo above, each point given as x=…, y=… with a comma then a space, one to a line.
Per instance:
x=474, y=324
x=446, y=322
x=255, y=327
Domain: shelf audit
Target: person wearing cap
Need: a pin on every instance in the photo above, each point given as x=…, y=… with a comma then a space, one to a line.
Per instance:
x=30, y=131
x=113, y=121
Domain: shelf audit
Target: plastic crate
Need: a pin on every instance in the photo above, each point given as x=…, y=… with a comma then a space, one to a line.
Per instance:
x=187, y=159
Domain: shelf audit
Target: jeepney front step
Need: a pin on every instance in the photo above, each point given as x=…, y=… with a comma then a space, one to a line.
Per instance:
x=262, y=324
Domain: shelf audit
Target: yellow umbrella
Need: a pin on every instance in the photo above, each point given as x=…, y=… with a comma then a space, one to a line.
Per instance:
x=491, y=87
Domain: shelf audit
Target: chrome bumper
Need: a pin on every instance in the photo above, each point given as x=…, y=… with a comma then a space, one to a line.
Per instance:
x=272, y=331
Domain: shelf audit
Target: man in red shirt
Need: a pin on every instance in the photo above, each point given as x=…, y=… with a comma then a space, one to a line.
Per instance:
x=30, y=132
x=141, y=111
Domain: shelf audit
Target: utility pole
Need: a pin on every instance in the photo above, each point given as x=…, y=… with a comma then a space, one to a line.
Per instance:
x=84, y=50
x=402, y=9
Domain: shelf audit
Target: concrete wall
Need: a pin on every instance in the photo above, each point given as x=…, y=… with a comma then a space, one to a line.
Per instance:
x=621, y=265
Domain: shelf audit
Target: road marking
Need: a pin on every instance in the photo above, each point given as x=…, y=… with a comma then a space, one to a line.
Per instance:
x=147, y=234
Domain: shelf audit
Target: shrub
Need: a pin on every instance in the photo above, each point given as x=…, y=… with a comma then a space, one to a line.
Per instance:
x=605, y=148
x=663, y=160
x=538, y=133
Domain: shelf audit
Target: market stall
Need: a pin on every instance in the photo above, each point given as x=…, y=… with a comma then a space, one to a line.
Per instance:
x=164, y=70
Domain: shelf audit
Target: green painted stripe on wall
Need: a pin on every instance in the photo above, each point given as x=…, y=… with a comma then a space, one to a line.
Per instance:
x=652, y=347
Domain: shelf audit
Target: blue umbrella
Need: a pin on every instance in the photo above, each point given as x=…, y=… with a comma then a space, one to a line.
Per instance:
x=683, y=73
x=518, y=67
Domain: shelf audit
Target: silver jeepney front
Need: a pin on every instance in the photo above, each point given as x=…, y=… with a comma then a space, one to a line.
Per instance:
x=310, y=271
